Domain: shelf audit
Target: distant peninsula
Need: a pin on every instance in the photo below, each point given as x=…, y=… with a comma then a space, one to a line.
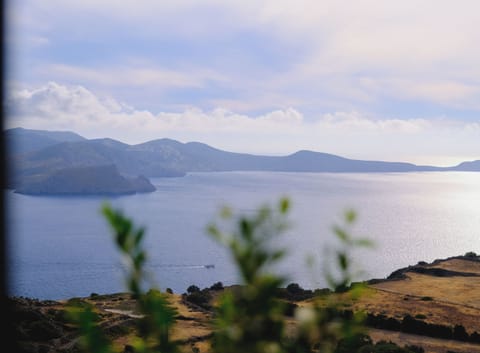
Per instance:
x=86, y=180
x=63, y=162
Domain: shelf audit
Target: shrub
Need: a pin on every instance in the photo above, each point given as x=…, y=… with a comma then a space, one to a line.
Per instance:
x=475, y=337
x=389, y=347
x=294, y=288
x=200, y=298
x=192, y=289
x=217, y=286
x=322, y=292
x=354, y=343
x=426, y=299
x=294, y=292
x=414, y=349
x=383, y=322
x=79, y=303
x=459, y=333
x=290, y=309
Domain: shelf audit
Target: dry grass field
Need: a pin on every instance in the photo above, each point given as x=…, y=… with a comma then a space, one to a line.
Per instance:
x=452, y=299
x=446, y=292
x=443, y=300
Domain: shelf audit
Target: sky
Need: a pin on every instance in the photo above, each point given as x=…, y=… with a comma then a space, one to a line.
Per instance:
x=369, y=79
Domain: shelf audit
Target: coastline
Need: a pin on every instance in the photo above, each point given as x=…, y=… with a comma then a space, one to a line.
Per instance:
x=425, y=303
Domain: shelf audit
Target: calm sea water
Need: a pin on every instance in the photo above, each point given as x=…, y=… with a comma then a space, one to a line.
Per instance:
x=61, y=247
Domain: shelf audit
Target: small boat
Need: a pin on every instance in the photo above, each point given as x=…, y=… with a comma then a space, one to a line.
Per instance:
x=209, y=266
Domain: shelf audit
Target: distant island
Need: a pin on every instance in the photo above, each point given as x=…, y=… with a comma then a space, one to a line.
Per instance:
x=62, y=162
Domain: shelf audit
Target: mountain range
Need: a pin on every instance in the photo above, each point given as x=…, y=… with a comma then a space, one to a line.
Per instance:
x=63, y=162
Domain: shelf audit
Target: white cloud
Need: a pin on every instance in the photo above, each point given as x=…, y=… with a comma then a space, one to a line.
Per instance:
x=76, y=106
x=352, y=134
x=366, y=51
x=130, y=76
x=355, y=122
x=445, y=92
x=354, y=54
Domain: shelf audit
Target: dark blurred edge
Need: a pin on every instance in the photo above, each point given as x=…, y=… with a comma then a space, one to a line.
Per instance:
x=6, y=317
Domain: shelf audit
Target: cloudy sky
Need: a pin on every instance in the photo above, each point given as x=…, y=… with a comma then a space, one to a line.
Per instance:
x=389, y=80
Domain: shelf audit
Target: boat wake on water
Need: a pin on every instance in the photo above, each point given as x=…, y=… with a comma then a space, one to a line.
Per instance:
x=207, y=266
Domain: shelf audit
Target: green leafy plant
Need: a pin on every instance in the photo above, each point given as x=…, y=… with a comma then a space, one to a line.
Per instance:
x=252, y=317
x=158, y=315
x=92, y=338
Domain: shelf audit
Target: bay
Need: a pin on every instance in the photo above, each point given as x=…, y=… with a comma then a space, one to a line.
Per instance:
x=61, y=247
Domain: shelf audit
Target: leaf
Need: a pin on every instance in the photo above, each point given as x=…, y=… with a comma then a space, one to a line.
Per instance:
x=139, y=237
x=341, y=234
x=284, y=205
x=350, y=216
x=342, y=260
x=225, y=212
x=364, y=243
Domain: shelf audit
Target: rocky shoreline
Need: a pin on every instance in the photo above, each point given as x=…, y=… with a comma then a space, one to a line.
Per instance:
x=398, y=303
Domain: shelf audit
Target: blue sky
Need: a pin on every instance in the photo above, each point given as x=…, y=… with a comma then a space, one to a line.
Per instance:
x=363, y=79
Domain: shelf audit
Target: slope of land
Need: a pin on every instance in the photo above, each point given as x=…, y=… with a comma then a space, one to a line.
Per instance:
x=87, y=180
x=36, y=154
x=21, y=140
x=435, y=306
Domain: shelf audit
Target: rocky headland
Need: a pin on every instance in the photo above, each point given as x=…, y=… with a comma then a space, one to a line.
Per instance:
x=85, y=180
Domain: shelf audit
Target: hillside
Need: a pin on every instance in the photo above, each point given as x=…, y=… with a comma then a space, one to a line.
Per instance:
x=88, y=180
x=21, y=140
x=434, y=306
x=35, y=154
x=473, y=166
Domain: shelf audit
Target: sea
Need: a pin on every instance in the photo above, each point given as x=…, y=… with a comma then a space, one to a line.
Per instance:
x=61, y=247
